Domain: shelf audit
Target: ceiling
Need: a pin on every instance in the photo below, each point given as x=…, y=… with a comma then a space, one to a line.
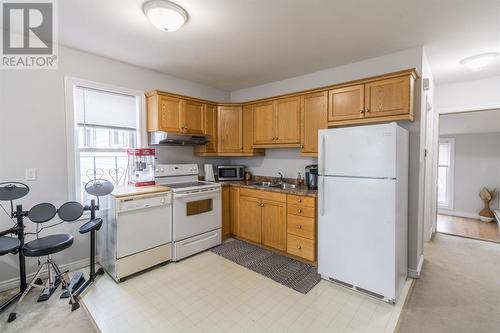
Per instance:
x=233, y=44
x=470, y=122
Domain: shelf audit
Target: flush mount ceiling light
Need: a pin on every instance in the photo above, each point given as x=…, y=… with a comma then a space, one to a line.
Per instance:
x=165, y=15
x=479, y=61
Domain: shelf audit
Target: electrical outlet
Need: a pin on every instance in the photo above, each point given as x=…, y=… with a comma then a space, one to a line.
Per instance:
x=30, y=174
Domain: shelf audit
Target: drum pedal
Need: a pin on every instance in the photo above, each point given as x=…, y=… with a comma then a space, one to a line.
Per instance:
x=48, y=291
x=76, y=281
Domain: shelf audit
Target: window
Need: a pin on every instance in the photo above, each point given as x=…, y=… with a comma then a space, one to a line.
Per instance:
x=445, y=173
x=105, y=122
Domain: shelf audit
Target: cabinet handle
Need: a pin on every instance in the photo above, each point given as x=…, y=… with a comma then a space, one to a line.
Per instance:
x=300, y=211
x=300, y=200
x=299, y=247
x=361, y=111
x=367, y=110
x=299, y=226
x=301, y=146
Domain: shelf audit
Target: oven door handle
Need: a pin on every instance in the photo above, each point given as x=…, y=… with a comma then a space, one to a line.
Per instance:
x=192, y=195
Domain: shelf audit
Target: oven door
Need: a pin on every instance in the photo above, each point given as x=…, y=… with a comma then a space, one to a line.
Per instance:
x=196, y=213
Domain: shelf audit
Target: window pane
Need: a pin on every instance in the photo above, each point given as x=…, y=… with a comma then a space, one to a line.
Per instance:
x=444, y=153
x=105, y=137
x=442, y=185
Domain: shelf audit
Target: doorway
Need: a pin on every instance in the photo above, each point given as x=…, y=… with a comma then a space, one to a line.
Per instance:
x=468, y=177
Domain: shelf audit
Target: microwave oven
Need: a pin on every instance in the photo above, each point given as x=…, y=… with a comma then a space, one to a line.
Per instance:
x=230, y=172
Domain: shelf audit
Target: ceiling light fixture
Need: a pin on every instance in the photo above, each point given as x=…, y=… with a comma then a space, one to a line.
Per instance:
x=479, y=61
x=165, y=15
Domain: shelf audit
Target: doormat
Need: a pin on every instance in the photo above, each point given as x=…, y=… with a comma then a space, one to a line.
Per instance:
x=289, y=272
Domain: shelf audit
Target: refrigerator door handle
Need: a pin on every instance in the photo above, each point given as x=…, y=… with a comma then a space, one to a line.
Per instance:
x=321, y=190
x=322, y=156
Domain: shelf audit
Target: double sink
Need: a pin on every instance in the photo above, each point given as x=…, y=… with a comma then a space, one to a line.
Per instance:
x=280, y=185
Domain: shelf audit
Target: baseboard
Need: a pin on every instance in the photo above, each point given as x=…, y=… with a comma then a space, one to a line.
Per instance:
x=72, y=266
x=415, y=273
x=458, y=213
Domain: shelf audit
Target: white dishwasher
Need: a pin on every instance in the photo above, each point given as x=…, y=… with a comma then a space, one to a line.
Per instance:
x=137, y=234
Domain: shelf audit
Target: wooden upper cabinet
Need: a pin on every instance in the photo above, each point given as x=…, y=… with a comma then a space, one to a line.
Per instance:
x=264, y=131
x=388, y=97
x=248, y=128
x=273, y=227
x=209, y=129
x=249, y=219
x=314, y=115
x=192, y=114
x=287, y=120
x=346, y=103
x=277, y=122
x=229, y=129
x=164, y=114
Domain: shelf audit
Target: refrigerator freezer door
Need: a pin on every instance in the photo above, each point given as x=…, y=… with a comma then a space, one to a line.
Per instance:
x=356, y=241
x=363, y=151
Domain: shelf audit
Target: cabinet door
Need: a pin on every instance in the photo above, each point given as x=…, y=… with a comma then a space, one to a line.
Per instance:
x=229, y=129
x=170, y=114
x=193, y=117
x=249, y=219
x=226, y=211
x=346, y=103
x=234, y=198
x=248, y=128
x=274, y=224
x=210, y=128
x=287, y=120
x=388, y=97
x=263, y=124
x=314, y=109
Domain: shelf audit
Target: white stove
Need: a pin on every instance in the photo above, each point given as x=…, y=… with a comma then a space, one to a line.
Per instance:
x=197, y=219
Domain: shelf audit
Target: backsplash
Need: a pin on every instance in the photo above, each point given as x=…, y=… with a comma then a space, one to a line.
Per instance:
x=287, y=161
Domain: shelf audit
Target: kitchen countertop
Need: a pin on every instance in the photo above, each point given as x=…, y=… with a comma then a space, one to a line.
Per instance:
x=299, y=190
x=127, y=190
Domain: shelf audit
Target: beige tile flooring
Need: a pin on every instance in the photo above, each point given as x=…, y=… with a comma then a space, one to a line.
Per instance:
x=207, y=293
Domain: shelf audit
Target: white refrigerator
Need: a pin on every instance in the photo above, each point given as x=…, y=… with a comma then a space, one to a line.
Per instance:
x=363, y=208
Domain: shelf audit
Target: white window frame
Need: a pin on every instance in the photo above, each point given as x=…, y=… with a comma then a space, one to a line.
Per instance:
x=450, y=181
x=70, y=83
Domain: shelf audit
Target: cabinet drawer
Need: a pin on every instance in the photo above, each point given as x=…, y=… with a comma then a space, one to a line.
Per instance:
x=264, y=195
x=301, y=200
x=301, y=226
x=301, y=211
x=300, y=247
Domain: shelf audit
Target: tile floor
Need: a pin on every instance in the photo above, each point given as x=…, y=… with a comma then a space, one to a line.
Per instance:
x=207, y=293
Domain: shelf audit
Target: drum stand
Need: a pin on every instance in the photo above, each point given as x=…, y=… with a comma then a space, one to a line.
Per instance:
x=18, y=230
x=94, y=225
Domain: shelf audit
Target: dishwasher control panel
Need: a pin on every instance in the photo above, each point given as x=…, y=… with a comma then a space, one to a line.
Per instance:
x=131, y=203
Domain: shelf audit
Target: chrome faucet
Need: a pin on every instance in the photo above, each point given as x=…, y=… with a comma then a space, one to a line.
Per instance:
x=281, y=177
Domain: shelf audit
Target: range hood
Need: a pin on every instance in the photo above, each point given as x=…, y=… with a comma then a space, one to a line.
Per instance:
x=176, y=139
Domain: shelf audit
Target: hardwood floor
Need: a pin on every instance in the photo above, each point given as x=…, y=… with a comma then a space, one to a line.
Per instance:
x=466, y=227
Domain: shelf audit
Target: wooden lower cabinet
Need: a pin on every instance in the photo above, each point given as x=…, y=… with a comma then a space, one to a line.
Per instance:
x=226, y=211
x=301, y=227
x=273, y=224
x=286, y=223
x=250, y=216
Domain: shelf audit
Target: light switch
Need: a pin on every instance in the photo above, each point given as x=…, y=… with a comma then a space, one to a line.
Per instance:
x=30, y=174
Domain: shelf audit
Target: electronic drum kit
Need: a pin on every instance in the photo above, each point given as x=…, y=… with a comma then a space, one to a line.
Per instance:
x=12, y=240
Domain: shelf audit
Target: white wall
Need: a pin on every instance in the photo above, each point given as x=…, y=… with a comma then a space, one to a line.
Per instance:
x=287, y=161
x=477, y=164
x=468, y=95
x=411, y=58
x=32, y=131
